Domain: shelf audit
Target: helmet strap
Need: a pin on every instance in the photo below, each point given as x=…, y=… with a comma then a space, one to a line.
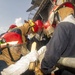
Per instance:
x=29, y=29
x=7, y=46
x=12, y=59
x=57, y=17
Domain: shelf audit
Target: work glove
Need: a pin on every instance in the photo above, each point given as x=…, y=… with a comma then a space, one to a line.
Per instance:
x=32, y=56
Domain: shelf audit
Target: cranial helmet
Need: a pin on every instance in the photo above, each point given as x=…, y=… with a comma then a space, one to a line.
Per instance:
x=46, y=25
x=48, y=29
x=38, y=25
x=12, y=37
x=12, y=26
x=35, y=26
x=59, y=12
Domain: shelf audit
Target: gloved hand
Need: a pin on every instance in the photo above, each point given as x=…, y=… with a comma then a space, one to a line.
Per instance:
x=32, y=56
x=41, y=53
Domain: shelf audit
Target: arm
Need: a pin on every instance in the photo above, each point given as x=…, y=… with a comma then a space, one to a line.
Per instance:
x=22, y=65
x=55, y=48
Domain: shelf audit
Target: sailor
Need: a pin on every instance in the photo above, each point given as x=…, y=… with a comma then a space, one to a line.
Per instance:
x=62, y=42
x=11, y=46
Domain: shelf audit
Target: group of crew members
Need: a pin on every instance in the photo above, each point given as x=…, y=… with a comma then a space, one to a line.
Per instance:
x=53, y=39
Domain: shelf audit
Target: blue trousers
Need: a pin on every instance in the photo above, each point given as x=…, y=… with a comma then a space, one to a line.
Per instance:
x=2, y=65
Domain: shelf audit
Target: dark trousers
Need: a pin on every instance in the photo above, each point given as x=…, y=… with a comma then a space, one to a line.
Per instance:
x=2, y=65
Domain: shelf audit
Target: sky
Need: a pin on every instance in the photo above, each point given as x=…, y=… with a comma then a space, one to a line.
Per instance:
x=13, y=12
